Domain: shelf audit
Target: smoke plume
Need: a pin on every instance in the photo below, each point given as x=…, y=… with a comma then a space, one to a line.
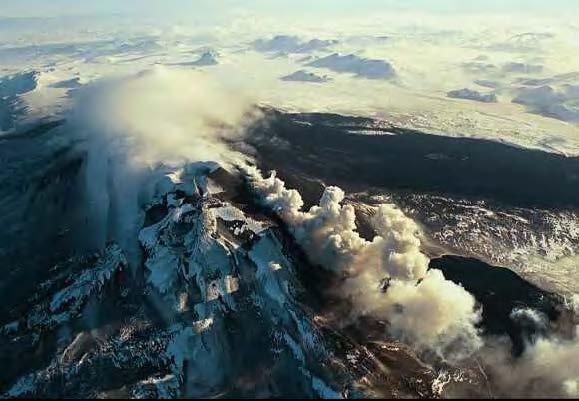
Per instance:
x=548, y=368
x=388, y=277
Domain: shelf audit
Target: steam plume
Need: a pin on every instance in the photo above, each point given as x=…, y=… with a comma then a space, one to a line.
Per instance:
x=131, y=127
x=165, y=115
x=421, y=306
x=548, y=368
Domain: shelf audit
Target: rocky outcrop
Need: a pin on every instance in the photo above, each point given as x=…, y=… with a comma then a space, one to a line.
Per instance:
x=469, y=94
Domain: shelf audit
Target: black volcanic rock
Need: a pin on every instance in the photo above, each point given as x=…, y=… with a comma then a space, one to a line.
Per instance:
x=326, y=147
x=501, y=292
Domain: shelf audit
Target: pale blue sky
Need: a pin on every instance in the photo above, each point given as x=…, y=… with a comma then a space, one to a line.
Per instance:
x=39, y=8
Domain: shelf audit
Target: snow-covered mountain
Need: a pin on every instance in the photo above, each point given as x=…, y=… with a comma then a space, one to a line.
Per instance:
x=217, y=308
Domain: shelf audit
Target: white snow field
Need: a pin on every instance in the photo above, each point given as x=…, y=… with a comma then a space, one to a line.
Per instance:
x=388, y=66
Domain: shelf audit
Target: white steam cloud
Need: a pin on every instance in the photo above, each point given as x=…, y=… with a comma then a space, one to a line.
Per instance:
x=548, y=368
x=165, y=115
x=135, y=129
x=388, y=276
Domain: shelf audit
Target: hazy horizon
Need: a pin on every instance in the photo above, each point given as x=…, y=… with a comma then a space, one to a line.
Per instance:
x=57, y=8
